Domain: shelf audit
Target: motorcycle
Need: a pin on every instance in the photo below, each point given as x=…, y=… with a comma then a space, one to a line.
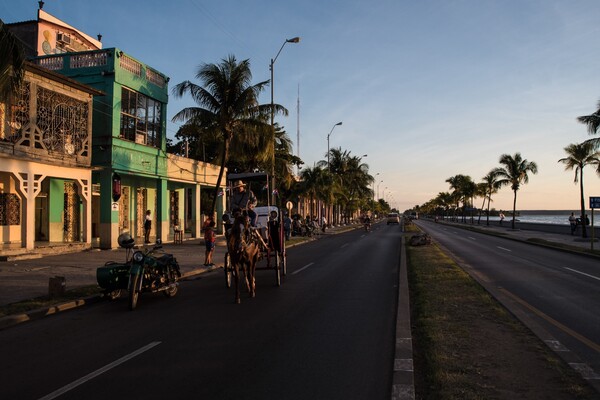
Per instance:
x=143, y=272
x=367, y=227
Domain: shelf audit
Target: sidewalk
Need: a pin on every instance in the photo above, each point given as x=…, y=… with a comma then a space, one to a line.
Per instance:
x=24, y=279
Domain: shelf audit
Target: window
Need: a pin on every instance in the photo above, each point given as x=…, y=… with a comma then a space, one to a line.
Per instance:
x=140, y=118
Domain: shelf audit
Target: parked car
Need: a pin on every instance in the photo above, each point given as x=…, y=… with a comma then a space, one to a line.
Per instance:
x=393, y=218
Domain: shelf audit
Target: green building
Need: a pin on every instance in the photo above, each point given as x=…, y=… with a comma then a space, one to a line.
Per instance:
x=132, y=172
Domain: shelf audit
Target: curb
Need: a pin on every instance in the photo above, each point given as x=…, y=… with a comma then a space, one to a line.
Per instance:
x=403, y=386
x=15, y=319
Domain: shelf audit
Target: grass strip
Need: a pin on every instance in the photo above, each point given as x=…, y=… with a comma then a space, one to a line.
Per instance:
x=467, y=346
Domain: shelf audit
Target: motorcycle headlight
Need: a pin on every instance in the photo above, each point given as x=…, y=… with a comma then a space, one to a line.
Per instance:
x=138, y=256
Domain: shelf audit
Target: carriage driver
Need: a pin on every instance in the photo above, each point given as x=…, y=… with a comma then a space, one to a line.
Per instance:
x=243, y=200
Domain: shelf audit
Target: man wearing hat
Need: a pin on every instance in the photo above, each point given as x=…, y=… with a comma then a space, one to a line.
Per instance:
x=243, y=200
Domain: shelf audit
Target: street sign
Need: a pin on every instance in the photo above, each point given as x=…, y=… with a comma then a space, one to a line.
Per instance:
x=594, y=202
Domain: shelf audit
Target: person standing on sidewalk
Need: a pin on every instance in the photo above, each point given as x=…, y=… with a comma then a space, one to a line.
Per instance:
x=147, y=226
x=209, y=242
x=573, y=223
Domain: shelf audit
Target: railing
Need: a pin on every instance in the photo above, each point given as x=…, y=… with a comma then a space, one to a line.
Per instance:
x=129, y=64
x=88, y=60
x=53, y=63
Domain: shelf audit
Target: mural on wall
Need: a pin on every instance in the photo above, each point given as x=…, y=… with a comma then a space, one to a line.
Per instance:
x=58, y=42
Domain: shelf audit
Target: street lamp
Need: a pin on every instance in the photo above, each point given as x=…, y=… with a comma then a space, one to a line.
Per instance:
x=329, y=166
x=378, y=188
x=292, y=40
x=374, y=181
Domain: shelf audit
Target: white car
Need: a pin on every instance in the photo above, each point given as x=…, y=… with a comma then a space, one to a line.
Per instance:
x=393, y=218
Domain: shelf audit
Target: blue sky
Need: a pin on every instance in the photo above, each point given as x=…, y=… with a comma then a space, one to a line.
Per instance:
x=427, y=89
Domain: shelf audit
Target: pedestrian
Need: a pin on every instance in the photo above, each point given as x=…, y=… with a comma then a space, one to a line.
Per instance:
x=287, y=226
x=274, y=242
x=323, y=223
x=501, y=217
x=147, y=226
x=209, y=242
x=573, y=223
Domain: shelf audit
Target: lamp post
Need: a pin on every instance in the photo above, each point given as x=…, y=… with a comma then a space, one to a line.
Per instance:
x=329, y=166
x=378, y=188
x=292, y=40
x=374, y=181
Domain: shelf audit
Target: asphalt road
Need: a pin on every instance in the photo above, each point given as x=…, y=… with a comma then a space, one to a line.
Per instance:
x=559, y=292
x=327, y=333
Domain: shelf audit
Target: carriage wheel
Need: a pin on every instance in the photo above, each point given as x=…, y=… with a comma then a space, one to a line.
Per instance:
x=228, y=270
x=284, y=263
x=278, y=268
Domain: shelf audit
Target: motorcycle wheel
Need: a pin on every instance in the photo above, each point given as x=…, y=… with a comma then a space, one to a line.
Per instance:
x=173, y=288
x=134, y=293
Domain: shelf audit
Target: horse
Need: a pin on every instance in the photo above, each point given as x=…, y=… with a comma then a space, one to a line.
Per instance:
x=244, y=252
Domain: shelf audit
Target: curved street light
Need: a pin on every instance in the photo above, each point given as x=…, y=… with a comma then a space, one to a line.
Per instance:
x=328, y=165
x=292, y=40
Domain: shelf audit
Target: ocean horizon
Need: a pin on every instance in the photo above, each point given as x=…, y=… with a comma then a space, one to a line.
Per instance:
x=557, y=217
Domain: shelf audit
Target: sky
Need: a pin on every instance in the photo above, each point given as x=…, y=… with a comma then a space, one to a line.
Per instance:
x=425, y=89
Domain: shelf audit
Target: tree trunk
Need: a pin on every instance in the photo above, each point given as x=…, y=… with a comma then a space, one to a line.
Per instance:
x=514, y=210
x=220, y=178
x=583, y=220
x=488, y=209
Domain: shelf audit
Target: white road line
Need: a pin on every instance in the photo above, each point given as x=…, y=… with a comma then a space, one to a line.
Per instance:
x=583, y=273
x=505, y=249
x=345, y=244
x=472, y=238
x=98, y=372
x=302, y=269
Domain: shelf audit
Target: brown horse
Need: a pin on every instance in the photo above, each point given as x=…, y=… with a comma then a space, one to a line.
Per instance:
x=244, y=252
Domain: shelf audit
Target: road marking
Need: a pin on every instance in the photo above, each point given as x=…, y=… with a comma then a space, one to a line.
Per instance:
x=505, y=249
x=344, y=245
x=98, y=372
x=303, y=268
x=583, y=273
x=567, y=330
x=472, y=238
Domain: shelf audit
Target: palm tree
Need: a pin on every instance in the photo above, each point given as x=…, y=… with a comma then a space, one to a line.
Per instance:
x=491, y=186
x=12, y=63
x=463, y=190
x=514, y=173
x=593, y=123
x=227, y=106
x=578, y=156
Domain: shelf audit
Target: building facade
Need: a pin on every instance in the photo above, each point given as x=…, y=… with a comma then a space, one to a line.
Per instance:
x=131, y=171
x=45, y=161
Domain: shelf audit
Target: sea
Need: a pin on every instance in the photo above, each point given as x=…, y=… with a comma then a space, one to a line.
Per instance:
x=557, y=217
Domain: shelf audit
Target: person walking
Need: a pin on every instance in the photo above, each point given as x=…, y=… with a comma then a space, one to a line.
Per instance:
x=287, y=226
x=147, y=226
x=501, y=217
x=209, y=242
x=573, y=223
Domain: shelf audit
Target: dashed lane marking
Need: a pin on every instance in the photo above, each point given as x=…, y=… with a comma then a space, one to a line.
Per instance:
x=302, y=269
x=98, y=372
x=583, y=273
x=505, y=249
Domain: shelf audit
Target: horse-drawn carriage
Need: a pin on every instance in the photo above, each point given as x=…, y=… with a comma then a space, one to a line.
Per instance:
x=248, y=245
